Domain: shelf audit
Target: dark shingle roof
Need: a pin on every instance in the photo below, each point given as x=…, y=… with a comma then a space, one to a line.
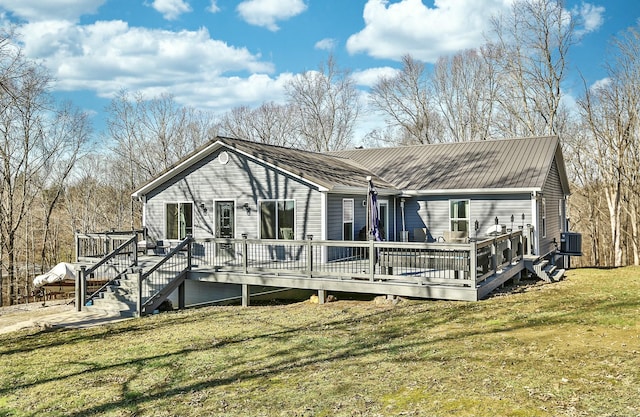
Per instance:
x=491, y=164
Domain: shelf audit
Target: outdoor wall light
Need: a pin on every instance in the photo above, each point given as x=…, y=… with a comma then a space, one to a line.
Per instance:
x=203, y=207
x=246, y=207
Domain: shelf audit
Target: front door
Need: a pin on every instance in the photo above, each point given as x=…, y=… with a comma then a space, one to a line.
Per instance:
x=225, y=219
x=225, y=226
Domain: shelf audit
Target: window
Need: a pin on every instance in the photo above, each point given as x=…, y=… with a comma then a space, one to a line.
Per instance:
x=383, y=214
x=277, y=219
x=459, y=215
x=179, y=220
x=347, y=219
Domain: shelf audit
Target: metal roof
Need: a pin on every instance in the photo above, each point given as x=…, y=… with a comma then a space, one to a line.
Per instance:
x=322, y=169
x=505, y=164
x=522, y=163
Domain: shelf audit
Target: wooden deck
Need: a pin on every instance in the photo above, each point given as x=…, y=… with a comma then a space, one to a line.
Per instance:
x=469, y=271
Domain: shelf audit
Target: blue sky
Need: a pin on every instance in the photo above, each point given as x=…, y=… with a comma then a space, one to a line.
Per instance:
x=217, y=54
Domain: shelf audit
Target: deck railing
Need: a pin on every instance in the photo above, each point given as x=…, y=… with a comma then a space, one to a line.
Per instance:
x=466, y=264
x=155, y=284
x=458, y=264
x=111, y=266
x=90, y=246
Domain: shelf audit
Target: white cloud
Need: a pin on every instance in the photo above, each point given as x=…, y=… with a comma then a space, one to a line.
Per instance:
x=602, y=83
x=39, y=10
x=265, y=13
x=411, y=27
x=326, y=44
x=370, y=77
x=171, y=9
x=109, y=56
x=213, y=7
x=592, y=17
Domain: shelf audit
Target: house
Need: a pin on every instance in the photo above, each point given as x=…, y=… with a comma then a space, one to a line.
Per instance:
x=231, y=187
x=457, y=220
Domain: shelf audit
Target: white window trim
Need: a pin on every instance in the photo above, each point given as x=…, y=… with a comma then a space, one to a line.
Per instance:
x=214, y=226
x=353, y=208
x=386, y=219
x=164, y=217
x=295, y=216
x=468, y=219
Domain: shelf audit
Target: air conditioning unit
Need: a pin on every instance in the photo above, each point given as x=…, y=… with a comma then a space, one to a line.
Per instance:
x=571, y=243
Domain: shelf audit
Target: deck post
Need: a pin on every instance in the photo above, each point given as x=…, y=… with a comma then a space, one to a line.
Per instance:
x=473, y=261
x=181, y=296
x=135, y=249
x=139, y=294
x=189, y=253
x=245, y=295
x=83, y=287
x=77, y=245
x=245, y=258
x=494, y=255
x=309, y=256
x=372, y=259
x=78, y=287
x=322, y=296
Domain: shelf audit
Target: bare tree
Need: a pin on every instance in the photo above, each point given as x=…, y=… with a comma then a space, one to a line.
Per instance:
x=406, y=100
x=611, y=119
x=32, y=141
x=530, y=54
x=270, y=123
x=326, y=107
x=465, y=87
x=147, y=136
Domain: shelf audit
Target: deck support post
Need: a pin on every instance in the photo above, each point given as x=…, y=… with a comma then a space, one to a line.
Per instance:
x=245, y=295
x=78, y=287
x=372, y=259
x=309, y=256
x=181, y=296
x=494, y=255
x=473, y=262
x=139, y=294
x=83, y=287
x=322, y=296
x=245, y=256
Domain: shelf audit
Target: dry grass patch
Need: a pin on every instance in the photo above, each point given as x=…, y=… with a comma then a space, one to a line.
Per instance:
x=566, y=349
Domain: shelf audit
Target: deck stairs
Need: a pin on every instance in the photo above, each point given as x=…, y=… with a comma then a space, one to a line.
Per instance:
x=545, y=268
x=118, y=298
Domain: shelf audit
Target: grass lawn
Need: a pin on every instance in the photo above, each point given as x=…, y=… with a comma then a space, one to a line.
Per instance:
x=565, y=349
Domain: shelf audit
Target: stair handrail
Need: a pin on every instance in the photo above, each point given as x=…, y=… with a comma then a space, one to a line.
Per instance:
x=143, y=276
x=81, y=279
x=114, y=253
x=106, y=284
x=168, y=256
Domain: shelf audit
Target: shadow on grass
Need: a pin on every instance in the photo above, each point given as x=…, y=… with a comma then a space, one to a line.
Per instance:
x=412, y=320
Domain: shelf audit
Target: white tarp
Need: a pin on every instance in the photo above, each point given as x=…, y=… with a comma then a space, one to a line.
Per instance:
x=62, y=271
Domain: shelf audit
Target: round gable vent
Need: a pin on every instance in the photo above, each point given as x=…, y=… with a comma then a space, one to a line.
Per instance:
x=223, y=157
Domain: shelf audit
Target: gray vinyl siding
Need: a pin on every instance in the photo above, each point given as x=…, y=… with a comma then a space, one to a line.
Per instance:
x=432, y=212
x=242, y=180
x=553, y=194
x=334, y=215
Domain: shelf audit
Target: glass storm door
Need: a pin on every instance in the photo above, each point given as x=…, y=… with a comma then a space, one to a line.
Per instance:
x=225, y=219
